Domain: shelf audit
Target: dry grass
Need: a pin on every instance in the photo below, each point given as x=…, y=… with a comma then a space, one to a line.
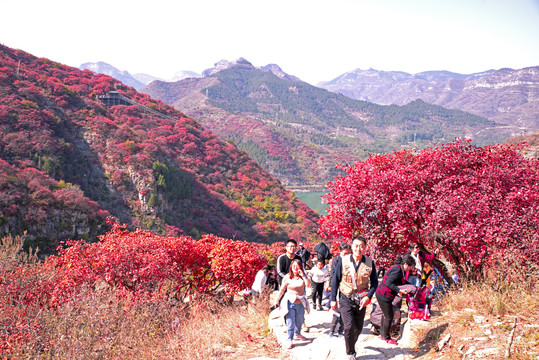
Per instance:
x=99, y=325
x=480, y=319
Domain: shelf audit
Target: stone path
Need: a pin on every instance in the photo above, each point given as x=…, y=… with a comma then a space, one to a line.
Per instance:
x=320, y=346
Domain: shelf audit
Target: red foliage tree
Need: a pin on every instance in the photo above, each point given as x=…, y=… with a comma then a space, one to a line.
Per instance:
x=478, y=205
x=142, y=263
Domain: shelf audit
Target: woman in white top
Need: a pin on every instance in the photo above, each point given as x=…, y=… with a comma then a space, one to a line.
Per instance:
x=260, y=281
x=319, y=274
x=294, y=302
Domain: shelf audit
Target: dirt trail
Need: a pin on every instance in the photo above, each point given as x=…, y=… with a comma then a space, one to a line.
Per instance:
x=320, y=346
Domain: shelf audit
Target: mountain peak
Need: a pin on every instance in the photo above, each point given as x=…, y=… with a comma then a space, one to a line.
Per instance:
x=101, y=67
x=225, y=64
x=277, y=71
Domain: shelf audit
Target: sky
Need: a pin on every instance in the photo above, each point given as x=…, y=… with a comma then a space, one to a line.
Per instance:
x=312, y=39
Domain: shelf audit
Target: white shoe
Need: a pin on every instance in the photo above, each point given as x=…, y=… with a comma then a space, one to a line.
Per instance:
x=287, y=344
x=350, y=357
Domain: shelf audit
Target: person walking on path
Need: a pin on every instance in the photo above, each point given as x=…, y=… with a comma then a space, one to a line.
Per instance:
x=304, y=254
x=319, y=274
x=260, y=281
x=294, y=302
x=345, y=249
x=356, y=278
x=386, y=292
x=284, y=261
x=414, y=277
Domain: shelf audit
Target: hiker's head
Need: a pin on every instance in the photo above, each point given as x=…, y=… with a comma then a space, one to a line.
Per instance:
x=359, y=244
x=295, y=268
x=414, y=248
x=291, y=246
x=345, y=249
x=408, y=262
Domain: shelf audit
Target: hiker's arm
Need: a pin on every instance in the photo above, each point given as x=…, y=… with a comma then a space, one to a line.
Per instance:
x=280, y=266
x=307, y=280
x=335, y=281
x=284, y=285
x=427, y=258
x=374, y=281
x=374, y=285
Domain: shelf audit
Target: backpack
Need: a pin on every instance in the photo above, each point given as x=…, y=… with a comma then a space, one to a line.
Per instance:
x=419, y=305
x=322, y=250
x=305, y=255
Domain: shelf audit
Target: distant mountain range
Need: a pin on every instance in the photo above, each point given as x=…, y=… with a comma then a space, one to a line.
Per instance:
x=138, y=81
x=299, y=132
x=505, y=96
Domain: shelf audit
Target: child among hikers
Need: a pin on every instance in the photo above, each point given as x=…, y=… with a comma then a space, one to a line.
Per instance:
x=318, y=275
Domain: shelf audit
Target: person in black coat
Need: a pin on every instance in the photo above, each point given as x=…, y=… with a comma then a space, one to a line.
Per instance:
x=387, y=291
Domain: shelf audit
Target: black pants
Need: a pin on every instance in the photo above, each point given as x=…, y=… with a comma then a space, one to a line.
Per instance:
x=352, y=319
x=387, y=316
x=318, y=289
x=337, y=319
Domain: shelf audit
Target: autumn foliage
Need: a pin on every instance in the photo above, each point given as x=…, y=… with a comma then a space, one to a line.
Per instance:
x=143, y=263
x=144, y=162
x=136, y=267
x=479, y=206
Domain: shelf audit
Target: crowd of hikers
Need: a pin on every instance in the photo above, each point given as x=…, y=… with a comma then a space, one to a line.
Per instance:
x=349, y=281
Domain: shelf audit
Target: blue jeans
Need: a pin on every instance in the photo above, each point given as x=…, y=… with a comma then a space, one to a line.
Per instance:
x=294, y=319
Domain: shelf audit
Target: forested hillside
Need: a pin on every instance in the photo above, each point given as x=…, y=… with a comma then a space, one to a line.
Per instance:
x=299, y=132
x=142, y=161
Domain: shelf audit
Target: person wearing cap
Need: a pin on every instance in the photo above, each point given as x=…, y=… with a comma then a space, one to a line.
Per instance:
x=356, y=279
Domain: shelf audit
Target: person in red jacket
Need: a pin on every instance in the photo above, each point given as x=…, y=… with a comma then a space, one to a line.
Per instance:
x=387, y=291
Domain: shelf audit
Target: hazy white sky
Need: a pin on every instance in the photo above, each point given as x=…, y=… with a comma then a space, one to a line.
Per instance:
x=312, y=39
